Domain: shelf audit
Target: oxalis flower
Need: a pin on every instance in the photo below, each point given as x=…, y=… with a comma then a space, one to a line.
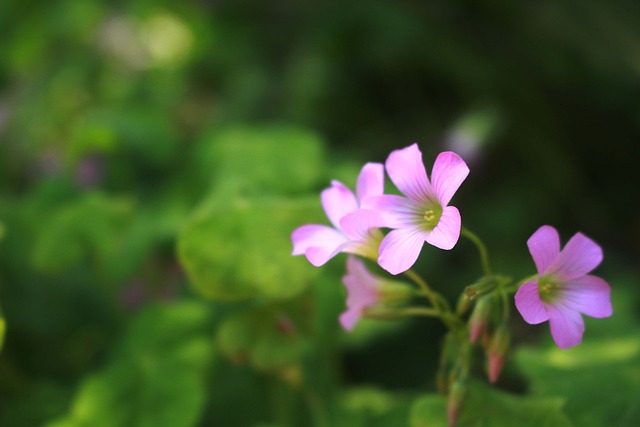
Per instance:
x=564, y=290
x=423, y=215
x=366, y=290
x=354, y=230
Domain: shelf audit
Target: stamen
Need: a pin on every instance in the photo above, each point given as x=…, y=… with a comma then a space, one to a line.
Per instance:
x=429, y=215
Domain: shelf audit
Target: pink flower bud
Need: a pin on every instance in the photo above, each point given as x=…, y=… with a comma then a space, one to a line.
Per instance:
x=454, y=404
x=479, y=319
x=497, y=352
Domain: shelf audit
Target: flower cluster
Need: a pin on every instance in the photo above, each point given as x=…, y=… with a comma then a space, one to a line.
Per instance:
x=561, y=292
x=422, y=216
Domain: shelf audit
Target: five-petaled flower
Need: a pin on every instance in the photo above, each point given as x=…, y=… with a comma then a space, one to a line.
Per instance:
x=424, y=214
x=366, y=291
x=363, y=289
x=564, y=290
x=354, y=230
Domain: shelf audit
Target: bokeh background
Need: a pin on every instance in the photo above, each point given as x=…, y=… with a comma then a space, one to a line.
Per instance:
x=156, y=155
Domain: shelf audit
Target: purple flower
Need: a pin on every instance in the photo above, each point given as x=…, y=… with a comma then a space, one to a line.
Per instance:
x=363, y=290
x=423, y=215
x=564, y=290
x=354, y=230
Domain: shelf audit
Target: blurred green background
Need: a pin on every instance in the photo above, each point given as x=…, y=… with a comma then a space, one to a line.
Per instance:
x=155, y=157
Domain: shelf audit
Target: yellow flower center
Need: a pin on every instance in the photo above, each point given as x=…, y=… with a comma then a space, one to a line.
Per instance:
x=431, y=216
x=548, y=289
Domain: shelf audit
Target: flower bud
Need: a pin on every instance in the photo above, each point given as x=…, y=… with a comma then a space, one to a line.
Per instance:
x=454, y=404
x=484, y=286
x=391, y=291
x=479, y=319
x=497, y=352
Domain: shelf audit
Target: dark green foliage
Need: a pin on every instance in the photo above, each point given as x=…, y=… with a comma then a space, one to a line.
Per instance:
x=155, y=157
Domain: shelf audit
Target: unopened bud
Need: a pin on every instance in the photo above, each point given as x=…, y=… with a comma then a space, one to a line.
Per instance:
x=454, y=404
x=497, y=352
x=479, y=319
x=391, y=291
x=480, y=288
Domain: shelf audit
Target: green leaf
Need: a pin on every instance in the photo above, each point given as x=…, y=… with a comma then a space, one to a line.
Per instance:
x=369, y=407
x=140, y=395
x=488, y=407
x=156, y=375
x=3, y=330
x=271, y=159
x=179, y=332
x=90, y=229
x=270, y=340
x=605, y=364
x=584, y=374
x=237, y=248
x=144, y=134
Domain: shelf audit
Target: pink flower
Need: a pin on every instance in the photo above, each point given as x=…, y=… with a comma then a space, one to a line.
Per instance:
x=564, y=290
x=363, y=290
x=354, y=230
x=423, y=215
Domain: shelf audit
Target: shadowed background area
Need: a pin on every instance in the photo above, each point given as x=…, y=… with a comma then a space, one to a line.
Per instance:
x=155, y=157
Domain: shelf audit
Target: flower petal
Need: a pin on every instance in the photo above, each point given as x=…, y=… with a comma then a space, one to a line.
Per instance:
x=530, y=305
x=449, y=171
x=590, y=295
x=370, y=181
x=399, y=249
x=350, y=317
x=319, y=243
x=579, y=256
x=337, y=201
x=356, y=225
x=445, y=235
x=396, y=211
x=360, y=284
x=566, y=325
x=406, y=170
x=544, y=246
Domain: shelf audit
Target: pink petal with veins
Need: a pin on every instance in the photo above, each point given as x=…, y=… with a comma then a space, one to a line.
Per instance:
x=579, y=256
x=544, y=246
x=446, y=233
x=589, y=295
x=399, y=249
x=338, y=201
x=449, y=171
x=370, y=181
x=566, y=325
x=530, y=305
x=406, y=170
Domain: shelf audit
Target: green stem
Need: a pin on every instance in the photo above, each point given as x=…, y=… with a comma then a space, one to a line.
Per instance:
x=390, y=314
x=437, y=300
x=484, y=255
x=514, y=287
x=316, y=407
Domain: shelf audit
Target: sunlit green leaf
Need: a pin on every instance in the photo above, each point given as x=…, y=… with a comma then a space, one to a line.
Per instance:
x=156, y=377
x=147, y=394
x=274, y=159
x=268, y=339
x=237, y=248
x=3, y=330
x=370, y=407
x=488, y=407
x=584, y=374
x=91, y=229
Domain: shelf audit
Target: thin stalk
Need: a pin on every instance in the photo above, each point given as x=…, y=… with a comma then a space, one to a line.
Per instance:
x=514, y=287
x=437, y=300
x=390, y=314
x=484, y=255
